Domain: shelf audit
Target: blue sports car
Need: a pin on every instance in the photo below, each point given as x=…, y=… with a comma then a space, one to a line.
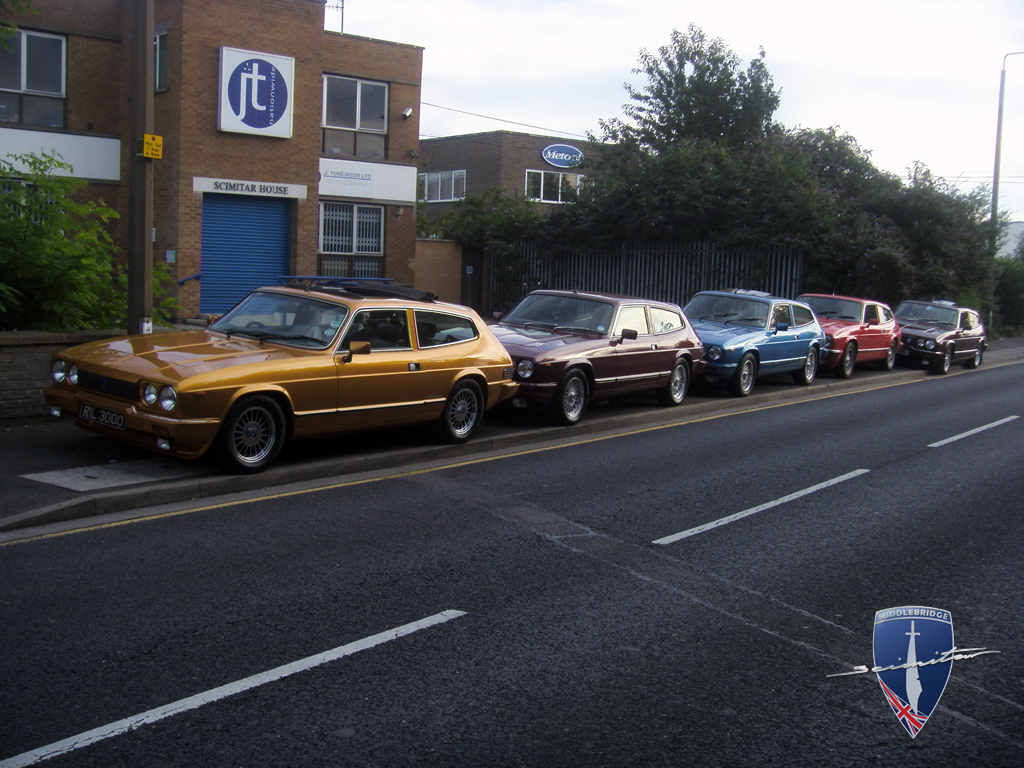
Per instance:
x=750, y=333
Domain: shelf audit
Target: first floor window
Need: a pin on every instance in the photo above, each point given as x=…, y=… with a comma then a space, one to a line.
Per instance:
x=32, y=79
x=440, y=186
x=160, y=61
x=351, y=240
x=355, y=120
x=551, y=186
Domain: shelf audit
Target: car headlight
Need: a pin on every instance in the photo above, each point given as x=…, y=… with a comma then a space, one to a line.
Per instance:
x=57, y=371
x=525, y=369
x=168, y=398
x=149, y=394
x=929, y=344
x=73, y=375
x=714, y=353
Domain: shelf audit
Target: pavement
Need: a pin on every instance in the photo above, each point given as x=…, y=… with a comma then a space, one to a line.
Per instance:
x=52, y=472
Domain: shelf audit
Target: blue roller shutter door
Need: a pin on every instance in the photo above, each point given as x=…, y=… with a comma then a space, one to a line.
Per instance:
x=246, y=245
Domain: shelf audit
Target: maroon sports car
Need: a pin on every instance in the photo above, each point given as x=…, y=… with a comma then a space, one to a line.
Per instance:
x=570, y=348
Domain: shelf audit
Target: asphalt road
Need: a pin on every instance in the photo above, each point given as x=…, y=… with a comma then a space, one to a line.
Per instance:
x=51, y=471
x=515, y=610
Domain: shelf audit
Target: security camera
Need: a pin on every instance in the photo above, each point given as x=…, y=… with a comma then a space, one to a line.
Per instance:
x=407, y=113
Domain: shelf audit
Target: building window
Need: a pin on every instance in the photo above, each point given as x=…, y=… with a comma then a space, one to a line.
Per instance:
x=351, y=240
x=160, y=62
x=354, y=117
x=551, y=186
x=32, y=79
x=443, y=186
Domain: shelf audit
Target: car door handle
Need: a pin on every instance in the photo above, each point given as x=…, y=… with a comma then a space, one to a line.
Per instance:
x=654, y=346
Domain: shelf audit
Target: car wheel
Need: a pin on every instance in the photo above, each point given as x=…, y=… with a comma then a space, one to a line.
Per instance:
x=674, y=392
x=845, y=368
x=947, y=360
x=462, y=412
x=252, y=435
x=975, y=361
x=810, y=368
x=742, y=382
x=570, y=399
x=890, y=358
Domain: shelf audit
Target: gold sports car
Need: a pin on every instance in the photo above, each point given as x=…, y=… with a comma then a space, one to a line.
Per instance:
x=288, y=362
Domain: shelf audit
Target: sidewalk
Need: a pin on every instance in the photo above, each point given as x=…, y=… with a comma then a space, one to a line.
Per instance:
x=53, y=471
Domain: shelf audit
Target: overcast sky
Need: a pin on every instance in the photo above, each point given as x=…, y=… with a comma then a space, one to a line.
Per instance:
x=911, y=80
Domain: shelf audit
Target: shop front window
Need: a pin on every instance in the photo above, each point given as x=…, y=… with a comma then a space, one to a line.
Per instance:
x=351, y=240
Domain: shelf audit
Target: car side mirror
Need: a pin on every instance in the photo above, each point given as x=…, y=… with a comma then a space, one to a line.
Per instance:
x=781, y=327
x=874, y=321
x=627, y=333
x=211, y=319
x=356, y=348
x=497, y=316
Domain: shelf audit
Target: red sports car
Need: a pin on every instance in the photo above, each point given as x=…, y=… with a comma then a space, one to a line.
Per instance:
x=858, y=331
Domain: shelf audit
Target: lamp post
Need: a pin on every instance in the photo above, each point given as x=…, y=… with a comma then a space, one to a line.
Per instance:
x=999, y=142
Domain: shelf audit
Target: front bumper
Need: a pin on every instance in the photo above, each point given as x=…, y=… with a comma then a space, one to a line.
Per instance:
x=919, y=355
x=535, y=396
x=185, y=438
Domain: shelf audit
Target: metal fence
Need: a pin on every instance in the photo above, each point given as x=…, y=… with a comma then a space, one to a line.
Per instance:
x=667, y=272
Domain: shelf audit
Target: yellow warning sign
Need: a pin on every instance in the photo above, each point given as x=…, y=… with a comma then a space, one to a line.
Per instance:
x=152, y=146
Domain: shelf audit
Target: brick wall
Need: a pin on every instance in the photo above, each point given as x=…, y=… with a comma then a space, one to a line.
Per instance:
x=438, y=268
x=185, y=115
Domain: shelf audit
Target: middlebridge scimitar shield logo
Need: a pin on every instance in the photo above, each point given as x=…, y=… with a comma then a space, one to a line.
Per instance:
x=913, y=648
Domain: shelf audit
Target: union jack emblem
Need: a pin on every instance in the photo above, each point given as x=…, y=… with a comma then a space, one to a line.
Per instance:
x=913, y=648
x=910, y=720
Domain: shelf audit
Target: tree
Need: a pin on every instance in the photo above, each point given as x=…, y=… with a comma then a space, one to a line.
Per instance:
x=1009, y=290
x=57, y=260
x=696, y=89
x=494, y=222
x=7, y=27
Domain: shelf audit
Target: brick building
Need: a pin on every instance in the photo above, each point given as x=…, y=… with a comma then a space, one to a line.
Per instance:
x=539, y=168
x=287, y=149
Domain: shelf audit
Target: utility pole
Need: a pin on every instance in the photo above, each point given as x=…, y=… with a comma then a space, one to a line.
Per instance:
x=999, y=145
x=140, y=184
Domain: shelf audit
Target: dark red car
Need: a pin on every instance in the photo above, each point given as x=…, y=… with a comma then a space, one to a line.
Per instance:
x=858, y=331
x=570, y=348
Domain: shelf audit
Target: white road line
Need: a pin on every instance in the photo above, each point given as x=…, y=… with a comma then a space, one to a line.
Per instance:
x=972, y=432
x=208, y=697
x=754, y=510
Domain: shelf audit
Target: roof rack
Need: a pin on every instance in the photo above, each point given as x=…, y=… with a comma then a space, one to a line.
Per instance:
x=353, y=287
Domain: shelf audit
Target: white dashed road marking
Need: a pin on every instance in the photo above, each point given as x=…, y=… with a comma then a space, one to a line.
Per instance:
x=972, y=432
x=760, y=508
x=208, y=697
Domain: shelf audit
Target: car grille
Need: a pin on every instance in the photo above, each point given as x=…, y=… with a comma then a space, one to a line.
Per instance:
x=125, y=390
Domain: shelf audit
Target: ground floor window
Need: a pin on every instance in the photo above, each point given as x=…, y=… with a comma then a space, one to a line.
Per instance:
x=550, y=186
x=439, y=186
x=351, y=240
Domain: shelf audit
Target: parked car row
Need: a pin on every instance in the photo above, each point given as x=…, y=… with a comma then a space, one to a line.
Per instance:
x=320, y=359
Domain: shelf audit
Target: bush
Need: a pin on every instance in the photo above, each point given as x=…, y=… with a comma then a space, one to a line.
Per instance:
x=57, y=260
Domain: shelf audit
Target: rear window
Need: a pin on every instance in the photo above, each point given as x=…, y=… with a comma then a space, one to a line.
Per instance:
x=802, y=315
x=665, y=320
x=436, y=328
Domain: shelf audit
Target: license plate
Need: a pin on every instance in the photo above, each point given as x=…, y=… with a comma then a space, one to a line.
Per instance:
x=102, y=416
